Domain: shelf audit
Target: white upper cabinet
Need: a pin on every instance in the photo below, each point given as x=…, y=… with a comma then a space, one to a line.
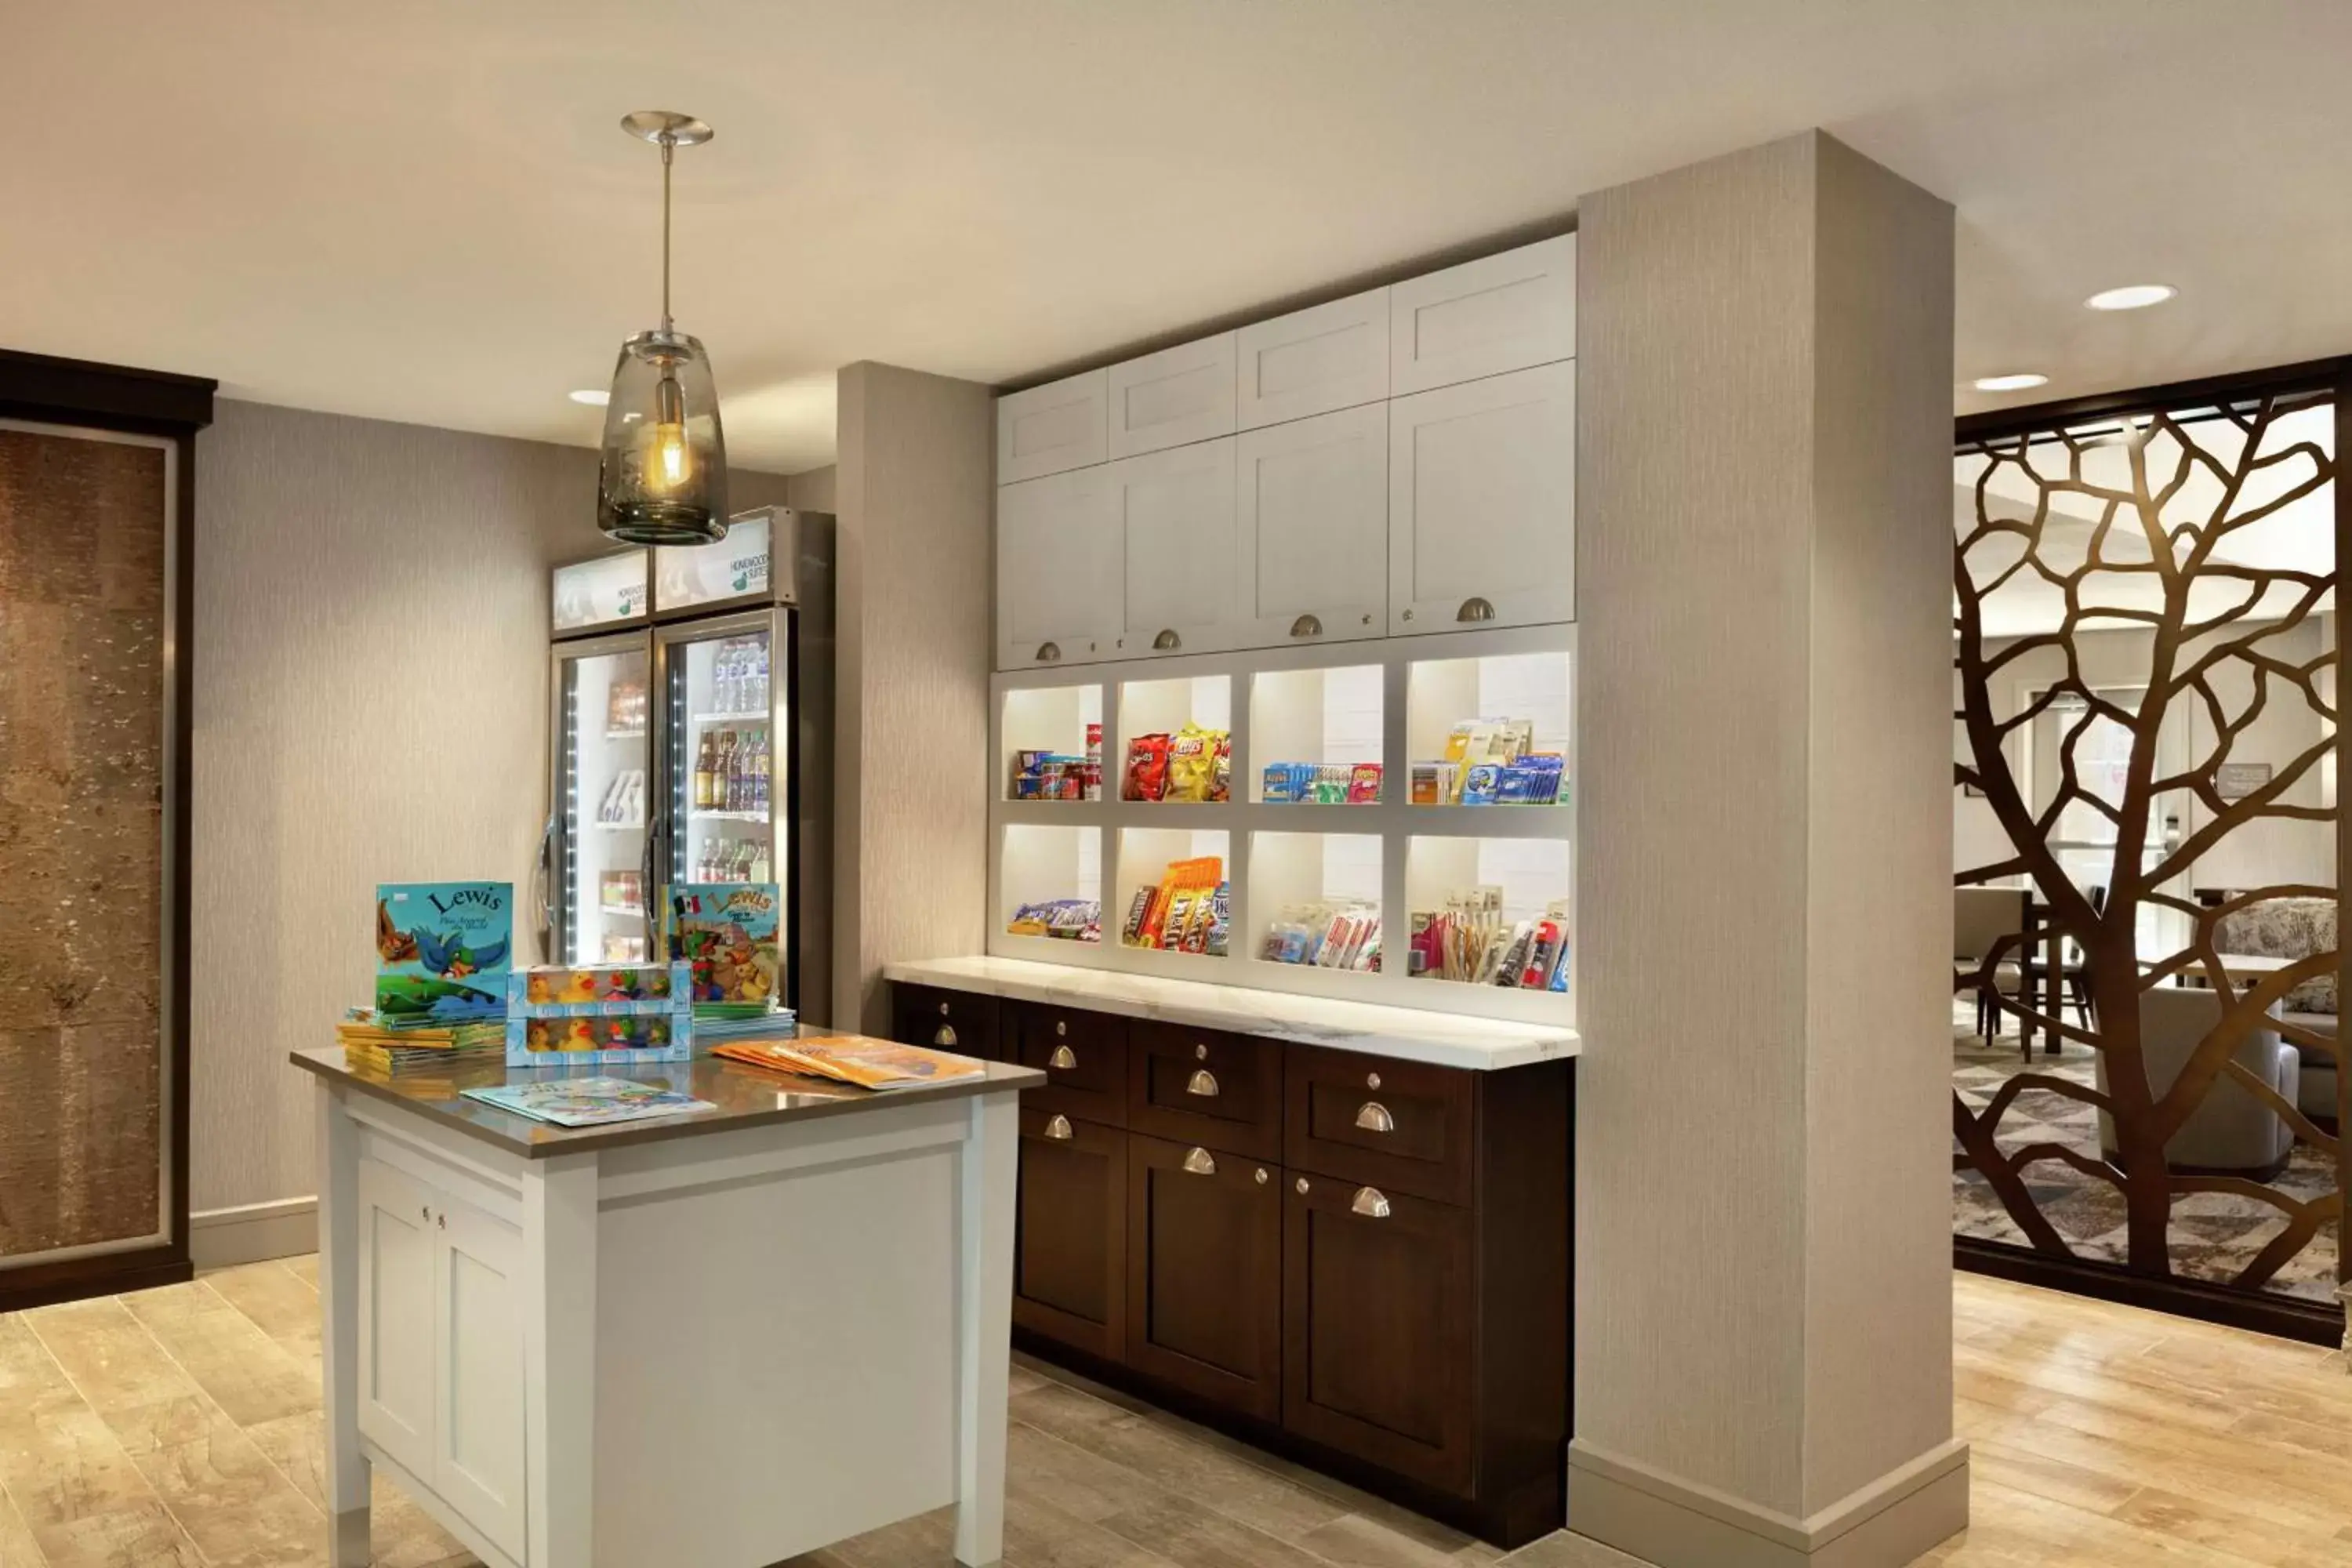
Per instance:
x=1177, y=396
x=1483, y=318
x=1059, y=588
x=1175, y=511
x=1482, y=503
x=1312, y=510
x=1050, y=429
x=1312, y=362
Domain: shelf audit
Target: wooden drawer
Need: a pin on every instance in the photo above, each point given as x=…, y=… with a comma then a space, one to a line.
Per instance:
x=1400, y=1126
x=1070, y=1250
x=1204, y=1273
x=1083, y=1055
x=1377, y=1301
x=1204, y=1085
x=957, y=1021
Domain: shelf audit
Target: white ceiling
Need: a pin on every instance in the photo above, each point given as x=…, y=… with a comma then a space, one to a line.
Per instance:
x=423, y=211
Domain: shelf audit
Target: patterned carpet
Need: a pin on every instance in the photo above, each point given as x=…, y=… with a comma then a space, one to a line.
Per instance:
x=2214, y=1235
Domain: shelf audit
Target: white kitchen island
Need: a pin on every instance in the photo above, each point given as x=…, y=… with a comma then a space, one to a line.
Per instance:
x=714, y=1340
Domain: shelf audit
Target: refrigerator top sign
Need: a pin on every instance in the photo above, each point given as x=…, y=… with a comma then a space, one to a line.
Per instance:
x=735, y=567
x=607, y=591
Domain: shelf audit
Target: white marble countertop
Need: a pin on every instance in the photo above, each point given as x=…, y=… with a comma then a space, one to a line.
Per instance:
x=1409, y=1034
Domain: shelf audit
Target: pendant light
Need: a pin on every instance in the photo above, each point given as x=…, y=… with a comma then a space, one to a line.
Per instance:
x=663, y=479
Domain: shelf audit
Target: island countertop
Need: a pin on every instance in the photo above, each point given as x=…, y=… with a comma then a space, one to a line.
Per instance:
x=745, y=1095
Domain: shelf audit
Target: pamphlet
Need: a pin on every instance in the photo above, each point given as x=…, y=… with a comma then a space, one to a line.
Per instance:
x=727, y=931
x=442, y=951
x=854, y=1059
x=588, y=1101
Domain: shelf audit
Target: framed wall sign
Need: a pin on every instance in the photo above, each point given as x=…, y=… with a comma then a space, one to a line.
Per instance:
x=2236, y=781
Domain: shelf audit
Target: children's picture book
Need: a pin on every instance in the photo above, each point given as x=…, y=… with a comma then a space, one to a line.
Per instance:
x=729, y=932
x=854, y=1058
x=588, y=1101
x=442, y=951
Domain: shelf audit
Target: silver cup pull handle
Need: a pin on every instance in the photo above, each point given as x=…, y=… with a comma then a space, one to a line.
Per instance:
x=1474, y=608
x=1306, y=627
x=1201, y=1162
x=1369, y=1203
x=1374, y=1117
x=1167, y=641
x=1204, y=1082
x=1062, y=1060
x=1049, y=653
x=1059, y=1128
x=946, y=1036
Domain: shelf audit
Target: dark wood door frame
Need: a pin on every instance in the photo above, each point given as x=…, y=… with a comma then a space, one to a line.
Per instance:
x=77, y=393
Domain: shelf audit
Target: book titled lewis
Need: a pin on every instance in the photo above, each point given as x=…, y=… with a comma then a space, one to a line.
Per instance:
x=442, y=950
x=727, y=931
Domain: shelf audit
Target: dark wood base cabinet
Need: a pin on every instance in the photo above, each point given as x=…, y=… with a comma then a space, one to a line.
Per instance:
x=1358, y=1262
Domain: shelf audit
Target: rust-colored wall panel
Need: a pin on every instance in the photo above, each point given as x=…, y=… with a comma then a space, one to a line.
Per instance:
x=81, y=776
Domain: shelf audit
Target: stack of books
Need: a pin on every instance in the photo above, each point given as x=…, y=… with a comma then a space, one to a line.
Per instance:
x=402, y=1045
x=717, y=1021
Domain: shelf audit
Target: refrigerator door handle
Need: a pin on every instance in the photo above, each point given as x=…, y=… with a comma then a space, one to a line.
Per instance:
x=543, y=885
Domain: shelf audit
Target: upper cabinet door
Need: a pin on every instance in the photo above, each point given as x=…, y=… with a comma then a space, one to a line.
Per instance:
x=1177, y=396
x=1312, y=362
x=1058, y=589
x=1175, y=509
x=1483, y=318
x=1482, y=503
x=1311, y=513
x=1050, y=429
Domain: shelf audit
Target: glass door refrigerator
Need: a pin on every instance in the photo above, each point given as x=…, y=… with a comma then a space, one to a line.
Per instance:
x=595, y=854
x=733, y=757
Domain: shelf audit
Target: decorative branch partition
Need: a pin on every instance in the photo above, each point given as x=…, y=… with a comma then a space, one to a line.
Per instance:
x=2194, y=538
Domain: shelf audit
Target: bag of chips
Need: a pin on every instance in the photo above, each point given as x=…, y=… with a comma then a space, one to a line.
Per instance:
x=1147, y=768
x=1192, y=764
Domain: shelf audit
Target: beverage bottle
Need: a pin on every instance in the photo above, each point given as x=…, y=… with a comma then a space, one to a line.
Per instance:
x=706, y=761
x=759, y=673
x=727, y=743
x=760, y=770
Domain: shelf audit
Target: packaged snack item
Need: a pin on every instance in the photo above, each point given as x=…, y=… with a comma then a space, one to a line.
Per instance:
x=1281, y=783
x=1131, y=935
x=1480, y=783
x=1147, y=768
x=1192, y=764
x=1364, y=784
x=1221, y=771
x=1221, y=910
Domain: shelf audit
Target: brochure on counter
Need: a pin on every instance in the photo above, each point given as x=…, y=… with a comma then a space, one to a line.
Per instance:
x=856, y=1060
x=588, y=1101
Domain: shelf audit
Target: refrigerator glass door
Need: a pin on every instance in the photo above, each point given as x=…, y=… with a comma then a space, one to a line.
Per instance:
x=604, y=800
x=724, y=705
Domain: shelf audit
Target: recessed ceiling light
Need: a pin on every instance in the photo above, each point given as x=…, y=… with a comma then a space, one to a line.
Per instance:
x=594, y=396
x=2016, y=381
x=2131, y=297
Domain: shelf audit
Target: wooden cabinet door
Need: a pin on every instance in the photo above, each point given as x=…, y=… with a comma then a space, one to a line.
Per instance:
x=477, y=1340
x=1401, y=1126
x=395, y=1330
x=1177, y=396
x=1059, y=574
x=1205, y=1087
x=1312, y=362
x=1050, y=429
x=1487, y=317
x=1311, y=524
x=1083, y=1055
x=1482, y=503
x=960, y=1021
x=1174, y=511
x=1376, y=1357
x=1069, y=1257
x=1204, y=1273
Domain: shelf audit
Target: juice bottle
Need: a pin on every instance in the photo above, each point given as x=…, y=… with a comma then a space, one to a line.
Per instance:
x=705, y=764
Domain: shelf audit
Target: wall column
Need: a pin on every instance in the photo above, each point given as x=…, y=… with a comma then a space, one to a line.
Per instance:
x=1763, y=1308
x=914, y=485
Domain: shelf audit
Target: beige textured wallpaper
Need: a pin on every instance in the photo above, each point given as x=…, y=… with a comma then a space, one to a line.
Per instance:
x=371, y=698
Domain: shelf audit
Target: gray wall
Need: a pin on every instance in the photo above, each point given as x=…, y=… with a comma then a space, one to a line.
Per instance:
x=370, y=705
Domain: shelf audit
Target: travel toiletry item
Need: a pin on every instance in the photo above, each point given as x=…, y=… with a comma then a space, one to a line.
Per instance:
x=1480, y=783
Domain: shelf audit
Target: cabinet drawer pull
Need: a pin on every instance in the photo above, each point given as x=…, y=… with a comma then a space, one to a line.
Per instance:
x=1474, y=608
x=1372, y=1080
x=1374, y=1117
x=1201, y=1162
x=1167, y=641
x=1062, y=1060
x=1369, y=1203
x=442, y=1219
x=1302, y=1184
x=1261, y=1175
x=945, y=1036
x=1059, y=1128
x=1306, y=627
x=1199, y=1053
x=425, y=1213
x=943, y=1009
x=1049, y=653
x=1204, y=1083
x=1061, y=1026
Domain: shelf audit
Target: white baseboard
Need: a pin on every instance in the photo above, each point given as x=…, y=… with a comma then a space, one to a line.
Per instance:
x=220, y=1238
x=1675, y=1523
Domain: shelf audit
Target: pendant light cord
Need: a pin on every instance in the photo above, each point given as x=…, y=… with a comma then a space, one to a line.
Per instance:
x=668, y=147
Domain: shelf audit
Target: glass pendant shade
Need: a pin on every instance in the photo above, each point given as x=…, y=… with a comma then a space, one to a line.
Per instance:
x=664, y=476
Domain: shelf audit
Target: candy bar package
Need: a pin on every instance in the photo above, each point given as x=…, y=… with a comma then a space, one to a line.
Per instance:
x=1147, y=768
x=1161, y=916
x=1071, y=920
x=1138, y=911
x=1220, y=770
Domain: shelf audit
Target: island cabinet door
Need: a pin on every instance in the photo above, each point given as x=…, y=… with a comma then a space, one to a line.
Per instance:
x=1069, y=1259
x=1083, y=1055
x=1204, y=1273
x=396, y=1328
x=955, y=1021
x=477, y=1340
x=1376, y=1358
